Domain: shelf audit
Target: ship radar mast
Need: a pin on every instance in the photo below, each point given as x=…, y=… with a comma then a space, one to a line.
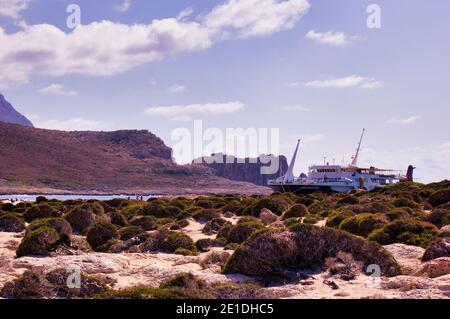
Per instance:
x=289, y=176
x=355, y=157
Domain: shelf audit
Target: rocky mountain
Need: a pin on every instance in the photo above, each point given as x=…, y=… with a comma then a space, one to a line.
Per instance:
x=129, y=161
x=9, y=115
x=248, y=170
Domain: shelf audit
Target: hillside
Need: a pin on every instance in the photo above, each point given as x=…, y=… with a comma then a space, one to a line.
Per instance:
x=9, y=115
x=130, y=161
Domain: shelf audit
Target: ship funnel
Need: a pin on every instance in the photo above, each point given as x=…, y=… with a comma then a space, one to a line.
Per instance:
x=289, y=176
x=409, y=174
x=355, y=157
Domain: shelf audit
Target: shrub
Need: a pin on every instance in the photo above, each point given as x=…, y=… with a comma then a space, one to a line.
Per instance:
x=205, y=243
x=41, y=199
x=206, y=215
x=214, y=258
x=182, y=223
x=272, y=252
x=40, y=241
x=291, y=221
x=439, y=247
x=40, y=211
x=375, y=208
x=439, y=217
x=343, y=265
x=404, y=231
x=276, y=204
x=305, y=201
x=337, y=217
x=11, y=223
x=363, y=224
x=214, y=225
x=311, y=219
x=145, y=222
x=298, y=210
x=175, y=240
x=440, y=197
x=61, y=226
x=100, y=234
x=129, y=232
x=86, y=215
x=398, y=213
x=29, y=285
x=185, y=252
x=241, y=231
x=405, y=202
x=348, y=200
x=8, y=207
x=183, y=280
x=118, y=219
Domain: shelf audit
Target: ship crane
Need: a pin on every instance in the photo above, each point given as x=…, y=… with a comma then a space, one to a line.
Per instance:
x=355, y=157
x=289, y=176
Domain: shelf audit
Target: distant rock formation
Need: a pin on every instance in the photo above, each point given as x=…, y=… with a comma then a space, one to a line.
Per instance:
x=245, y=170
x=127, y=161
x=9, y=115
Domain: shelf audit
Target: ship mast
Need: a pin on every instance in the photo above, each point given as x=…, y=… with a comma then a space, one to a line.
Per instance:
x=289, y=176
x=355, y=158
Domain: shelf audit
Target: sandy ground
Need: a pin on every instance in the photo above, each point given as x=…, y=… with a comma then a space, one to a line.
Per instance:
x=129, y=270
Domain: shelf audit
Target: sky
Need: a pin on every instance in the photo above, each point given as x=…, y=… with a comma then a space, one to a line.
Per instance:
x=313, y=69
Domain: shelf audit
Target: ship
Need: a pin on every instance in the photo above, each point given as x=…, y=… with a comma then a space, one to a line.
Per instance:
x=337, y=178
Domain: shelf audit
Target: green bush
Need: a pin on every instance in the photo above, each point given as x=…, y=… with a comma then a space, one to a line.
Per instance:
x=298, y=210
x=405, y=202
x=337, y=217
x=241, y=231
x=11, y=223
x=307, y=201
x=310, y=219
x=145, y=222
x=40, y=211
x=439, y=217
x=100, y=234
x=118, y=219
x=440, y=197
x=272, y=252
x=398, y=213
x=8, y=207
x=129, y=232
x=38, y=242
x=363, y=224
x=61, y=226
x=276, y=204
x=86, y=215
x=214, y=225
x=174, y=240
x=204, y=244
x=347, y=200
x=206, y=214
x=405, y=231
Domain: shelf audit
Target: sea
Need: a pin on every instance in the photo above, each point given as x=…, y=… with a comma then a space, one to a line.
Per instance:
x=32, y=198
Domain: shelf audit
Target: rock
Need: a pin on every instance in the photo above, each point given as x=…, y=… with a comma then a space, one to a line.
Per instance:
x=408, y=257
x=439, y=248
x=435, y=268
x=406, y=283
x=9, y=115
x=267, y=217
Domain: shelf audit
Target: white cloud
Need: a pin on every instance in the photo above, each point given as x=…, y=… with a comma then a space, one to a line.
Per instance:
x=123, y=7
x=107, y=48
x=72, y=124
x=346, y=82
x=331, y=38
x=58, y=89
x=177, y=88
x=292, y=84
x=245, y=18
x=12, y=8
x=183, y=113
x=404, y=121
x=296, y=108
x=185, y=13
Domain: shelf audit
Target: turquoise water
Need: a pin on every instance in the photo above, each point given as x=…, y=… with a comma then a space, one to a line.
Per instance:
x=31, y=198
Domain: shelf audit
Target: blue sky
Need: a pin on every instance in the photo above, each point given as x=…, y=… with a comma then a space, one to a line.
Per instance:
x=313, y=69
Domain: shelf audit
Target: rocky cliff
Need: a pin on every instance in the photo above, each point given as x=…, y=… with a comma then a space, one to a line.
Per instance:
x=9, y=115
x=130, y=161
x=249, y=170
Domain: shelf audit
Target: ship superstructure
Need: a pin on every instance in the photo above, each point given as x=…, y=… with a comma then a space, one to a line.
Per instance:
x=336, y=178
